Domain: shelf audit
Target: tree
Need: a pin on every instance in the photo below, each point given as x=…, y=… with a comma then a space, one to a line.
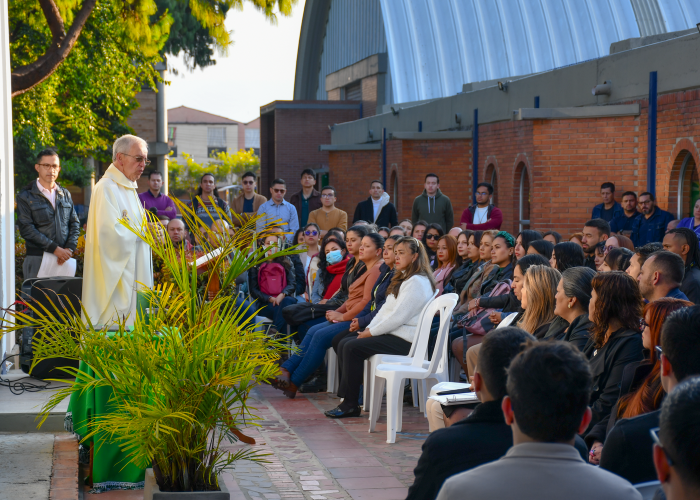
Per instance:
x=183, y=179
x=141, y=26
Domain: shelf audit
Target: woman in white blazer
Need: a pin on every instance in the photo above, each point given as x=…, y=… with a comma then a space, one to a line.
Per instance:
x=392, y=329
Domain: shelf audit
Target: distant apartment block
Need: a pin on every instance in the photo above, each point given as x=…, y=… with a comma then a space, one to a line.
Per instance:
x=202, y=135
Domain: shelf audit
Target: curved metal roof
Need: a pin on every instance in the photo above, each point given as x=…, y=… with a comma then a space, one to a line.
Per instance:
x=436, y=46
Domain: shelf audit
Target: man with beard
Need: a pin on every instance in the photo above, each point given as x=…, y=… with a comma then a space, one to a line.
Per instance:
x=661, y=276
x=594, y=231
x=651, y=225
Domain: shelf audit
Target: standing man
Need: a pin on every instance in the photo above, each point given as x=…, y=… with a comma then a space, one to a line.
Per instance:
x=609, y=209
x=153, y=198
x=684, y=243
x=328, y=216
x=594, y=231
x=278, y=210
x=46, y=217
x=308, y=199
x=377, y=207
x=651, y=225
x=482, y=215
x=117, y=262
x=247, y=203
x=432, y=205
x=623, y=223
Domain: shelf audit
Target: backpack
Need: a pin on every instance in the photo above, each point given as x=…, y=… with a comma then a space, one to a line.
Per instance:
x=272, y=278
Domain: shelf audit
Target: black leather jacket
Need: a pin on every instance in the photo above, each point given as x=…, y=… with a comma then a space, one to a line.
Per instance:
x=43, y=227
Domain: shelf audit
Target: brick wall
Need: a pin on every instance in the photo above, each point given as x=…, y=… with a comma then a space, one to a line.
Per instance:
x=290, y=140
x=565, y=161
x=143, y=118
x=369, y=96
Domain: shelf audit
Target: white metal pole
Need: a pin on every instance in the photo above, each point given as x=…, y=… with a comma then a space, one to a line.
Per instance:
x=7, y=198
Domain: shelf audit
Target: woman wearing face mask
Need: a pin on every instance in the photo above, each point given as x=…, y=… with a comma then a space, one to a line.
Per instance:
x=319, y=338
x=272, y=284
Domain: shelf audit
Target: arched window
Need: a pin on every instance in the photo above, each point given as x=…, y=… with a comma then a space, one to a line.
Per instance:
x=524, y=198
x=687, y=185
x=492, y=178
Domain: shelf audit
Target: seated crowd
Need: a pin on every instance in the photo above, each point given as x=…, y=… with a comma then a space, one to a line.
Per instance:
x=575, y=349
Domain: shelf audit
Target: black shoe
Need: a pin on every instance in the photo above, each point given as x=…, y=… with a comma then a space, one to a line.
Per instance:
x=338, y=413
x=316, y=384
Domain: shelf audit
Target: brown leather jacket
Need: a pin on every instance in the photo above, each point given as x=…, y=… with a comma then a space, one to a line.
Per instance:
x=237, y=207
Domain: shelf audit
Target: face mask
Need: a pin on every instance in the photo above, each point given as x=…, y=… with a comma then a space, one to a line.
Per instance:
x=334, y=256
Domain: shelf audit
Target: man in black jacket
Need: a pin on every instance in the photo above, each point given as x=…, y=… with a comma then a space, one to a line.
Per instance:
x=628, y=446
x=377, y=208
x=684, y=242
x=46, y=216
x=481, y=437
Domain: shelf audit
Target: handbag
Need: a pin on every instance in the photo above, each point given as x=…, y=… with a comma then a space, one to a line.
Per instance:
x=477, y=322
x=296, y=314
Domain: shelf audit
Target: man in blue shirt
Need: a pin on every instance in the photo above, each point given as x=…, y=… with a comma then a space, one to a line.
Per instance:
x=661, y=276
x=609, y=209
x=623, y=223
x=651, y=225
x=278, y=210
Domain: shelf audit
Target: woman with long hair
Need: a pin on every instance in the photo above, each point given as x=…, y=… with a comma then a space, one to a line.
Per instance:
x=640, y=389
x=430, y=241
x=577, y=238
x=522, y=242
x=618, y=241
x=447, y=260
x=332, y=261
x=572, y=299
x=541, y=247
x=615, y=310
x=502, y=261
x=407, y=226
x=209, y=195
x=567, y=254
x=472, y=288
x=419, y=229
x=537, y=299
x=553, y=237
x=309, y=259
x=319, y=337
x=599, y=253
x=461, y=274
x=617, y=259
x=393, y=328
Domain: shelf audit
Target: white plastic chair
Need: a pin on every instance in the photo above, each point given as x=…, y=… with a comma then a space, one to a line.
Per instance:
x=374, y=361
x=413, y=367
x=332, y=378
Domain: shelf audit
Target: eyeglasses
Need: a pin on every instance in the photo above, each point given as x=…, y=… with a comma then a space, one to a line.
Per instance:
x=655, y=437
x=327, y=195
x=432, y=236
x=279, y=190
x=140, y=159
x=642, y=324
x=311, y=233
x=248, y=182
x=479, y=193
x=659, y=350
x=48, y=166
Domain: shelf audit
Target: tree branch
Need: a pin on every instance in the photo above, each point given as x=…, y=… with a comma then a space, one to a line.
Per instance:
x=26, y=77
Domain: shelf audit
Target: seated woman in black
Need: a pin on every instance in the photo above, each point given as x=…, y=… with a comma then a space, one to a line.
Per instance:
x=615, y=309
x=430, y=240
x=461, y=274
x=272, y=284
x=572, y=299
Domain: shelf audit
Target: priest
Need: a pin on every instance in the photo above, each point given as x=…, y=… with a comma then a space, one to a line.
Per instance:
x=117, y=263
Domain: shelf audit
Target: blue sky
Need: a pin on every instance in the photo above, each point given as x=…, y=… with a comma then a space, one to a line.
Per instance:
x=259, y=68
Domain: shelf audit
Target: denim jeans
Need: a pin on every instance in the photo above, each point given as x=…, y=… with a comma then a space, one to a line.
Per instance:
x=275, y=313
x=312, y=350
x=306, y=326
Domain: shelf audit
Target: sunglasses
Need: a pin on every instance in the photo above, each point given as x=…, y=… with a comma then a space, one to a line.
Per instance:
x=432, y=236
x=279, y=190
x=655, y=437
x=248, y=182
x=313, y=232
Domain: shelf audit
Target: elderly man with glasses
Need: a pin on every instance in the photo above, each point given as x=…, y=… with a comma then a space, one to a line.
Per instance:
x=46, y=216
x=117, y=263
x=247, y=203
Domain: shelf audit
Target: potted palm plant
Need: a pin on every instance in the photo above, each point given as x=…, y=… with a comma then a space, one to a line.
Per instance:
x=179, y=379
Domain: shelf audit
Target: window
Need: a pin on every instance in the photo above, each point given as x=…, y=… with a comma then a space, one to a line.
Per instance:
x=216, y=141
x=252, y=138
x=213, y=151
x=174, y=150
x=171, y=133
x=524, y=198
x=353, y=92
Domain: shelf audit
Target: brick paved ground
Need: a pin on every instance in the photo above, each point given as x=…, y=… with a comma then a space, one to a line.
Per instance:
x=314, y=457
